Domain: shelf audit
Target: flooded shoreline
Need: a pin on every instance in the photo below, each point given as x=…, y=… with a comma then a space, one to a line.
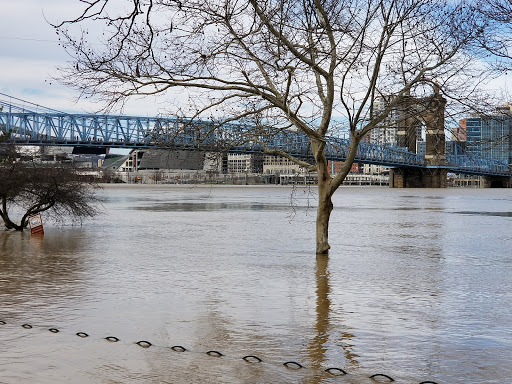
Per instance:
x=416, y=287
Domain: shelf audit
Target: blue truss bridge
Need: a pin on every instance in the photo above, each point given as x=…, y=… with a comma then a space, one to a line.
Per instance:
x=44, y=127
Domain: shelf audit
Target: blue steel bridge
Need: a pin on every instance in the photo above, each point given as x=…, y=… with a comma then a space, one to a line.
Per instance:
x=52, y=128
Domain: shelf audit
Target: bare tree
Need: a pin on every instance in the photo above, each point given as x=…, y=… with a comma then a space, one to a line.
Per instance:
x=27, y=189
x=276, y=65
x=496, y=32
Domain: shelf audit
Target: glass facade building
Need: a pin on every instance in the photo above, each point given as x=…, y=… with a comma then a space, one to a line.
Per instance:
x=490, y=136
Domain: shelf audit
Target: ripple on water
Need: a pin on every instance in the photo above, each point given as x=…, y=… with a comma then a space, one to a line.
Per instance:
x=417, y=286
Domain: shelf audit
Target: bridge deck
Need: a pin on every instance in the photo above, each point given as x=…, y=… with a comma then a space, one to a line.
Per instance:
x=52, y=128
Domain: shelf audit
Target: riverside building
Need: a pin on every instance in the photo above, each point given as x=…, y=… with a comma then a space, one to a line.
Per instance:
x=489, y=136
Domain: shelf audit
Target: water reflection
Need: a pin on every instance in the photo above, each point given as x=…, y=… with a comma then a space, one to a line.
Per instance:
x=479, y=213
x=207, y=206
x=42, y=266
x=320, y=344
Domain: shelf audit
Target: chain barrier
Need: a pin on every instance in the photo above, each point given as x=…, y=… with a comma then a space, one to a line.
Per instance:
x=253, y=359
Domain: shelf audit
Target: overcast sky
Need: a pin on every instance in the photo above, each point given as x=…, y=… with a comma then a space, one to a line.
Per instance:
x=30, y=54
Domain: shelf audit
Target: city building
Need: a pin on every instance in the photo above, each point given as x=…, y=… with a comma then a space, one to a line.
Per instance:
x=459, y=133
x=277, y=165
x=335, y=167
x=489, y=136
x=247, y=163
x=386, y=132
x=167, y=166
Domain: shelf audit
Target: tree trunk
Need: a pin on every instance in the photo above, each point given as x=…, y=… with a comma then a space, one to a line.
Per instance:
x=327, y=185
x=325, y=192
x=323, y=215
x=9, y=224
x=5, y=216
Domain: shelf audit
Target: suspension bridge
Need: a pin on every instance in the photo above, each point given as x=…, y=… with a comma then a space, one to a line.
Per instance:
x=39, y=126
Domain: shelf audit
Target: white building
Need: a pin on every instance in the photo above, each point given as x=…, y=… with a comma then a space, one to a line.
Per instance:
x=277, y=165
x=245, y=163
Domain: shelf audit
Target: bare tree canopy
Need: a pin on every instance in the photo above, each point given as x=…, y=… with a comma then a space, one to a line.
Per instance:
x=277, y=64
x=496, y=34
x=27, y=189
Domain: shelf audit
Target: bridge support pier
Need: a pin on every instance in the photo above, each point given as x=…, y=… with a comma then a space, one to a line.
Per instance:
x=427, y=111
x=418, y=178
x=496, y=182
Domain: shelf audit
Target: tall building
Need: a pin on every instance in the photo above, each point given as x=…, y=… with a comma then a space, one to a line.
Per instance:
x=385, y=133
x=489, y=136
x=459, y=133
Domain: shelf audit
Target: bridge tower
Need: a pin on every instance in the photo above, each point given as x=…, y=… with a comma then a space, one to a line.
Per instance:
x=414, y=113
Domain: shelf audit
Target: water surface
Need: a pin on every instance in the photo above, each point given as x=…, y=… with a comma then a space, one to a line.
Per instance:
x=417, y=286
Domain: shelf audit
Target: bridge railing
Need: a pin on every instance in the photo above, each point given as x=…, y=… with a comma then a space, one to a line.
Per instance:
x=476, y=165
x=372, y=153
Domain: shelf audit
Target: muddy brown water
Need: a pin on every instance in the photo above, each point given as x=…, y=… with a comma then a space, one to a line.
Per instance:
x=417, y=287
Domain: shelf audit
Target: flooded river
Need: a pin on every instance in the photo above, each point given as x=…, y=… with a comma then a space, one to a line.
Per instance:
x=418, y=287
